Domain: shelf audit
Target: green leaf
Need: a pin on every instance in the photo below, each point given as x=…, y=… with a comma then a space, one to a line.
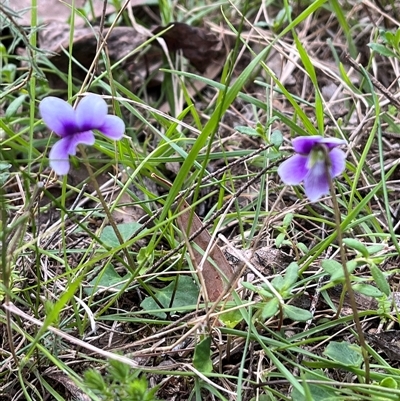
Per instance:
x=287, y=219
x=279, y=239
x=331, y=266
x=186, y=294
x=4, y=173
x=250, y=286
x=381, y=49
x=339, y=274
x=263, y=290
x=271, y=155
x=344, y=353
x=389, y=382
x=247, y=130
x=368, y=290
x=291, y=275
x=277, y=138
x=357, y=245
x=126, y=230
x=14, y=106
x=269, y=309
x=94, y=380
x=278, y=283
x=296, y=314
x=303, y=247
x=375, y=249
x=380, y=279
x=108, y=278
x=319, y=392
x=145, y=257
x=202, y=356
x=231, y=318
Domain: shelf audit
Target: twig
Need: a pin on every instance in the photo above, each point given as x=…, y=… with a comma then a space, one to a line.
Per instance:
x=374, y=81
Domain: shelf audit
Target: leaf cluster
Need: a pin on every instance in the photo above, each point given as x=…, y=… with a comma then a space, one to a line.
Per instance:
x=120, y=383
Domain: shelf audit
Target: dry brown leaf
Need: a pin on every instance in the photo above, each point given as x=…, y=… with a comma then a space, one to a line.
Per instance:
x=199, y=45
x=205, y=51
x=54, y=39
x=51, y=10
x=216, y=278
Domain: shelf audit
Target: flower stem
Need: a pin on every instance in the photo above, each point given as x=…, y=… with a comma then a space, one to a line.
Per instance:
x=348, y=286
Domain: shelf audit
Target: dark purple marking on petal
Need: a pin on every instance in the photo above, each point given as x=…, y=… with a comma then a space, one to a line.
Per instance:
x=84, y=138
x=91, y=112
x=293, y=170
x=113, y=128
x=304, y=144
x=58, y=115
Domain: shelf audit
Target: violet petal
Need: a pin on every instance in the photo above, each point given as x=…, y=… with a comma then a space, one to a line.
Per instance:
x=59, y=158
x=293, y=170
x=316, y=182
x=113, y=127
x=332, y=143
x=304, y=144
x=91, y=112
x=84, y=138
x=58, y=115
x=338, y=162
x=59, y=153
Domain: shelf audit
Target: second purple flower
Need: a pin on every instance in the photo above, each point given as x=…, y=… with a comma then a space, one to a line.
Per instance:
x=309, y=164
x=75, y=126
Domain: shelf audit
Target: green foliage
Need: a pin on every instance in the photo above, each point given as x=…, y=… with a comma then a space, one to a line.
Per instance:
x=119, y=383
x=368, y=256
x=202, y=356
x=108, y=278
x=231, y=318
x=126, y=230
x=344, y=353
x=316, y=392
x=4, y=173
x=390, y=46
x=71, y=276
x=283, y=231
x=181, y=293
x=282, y=287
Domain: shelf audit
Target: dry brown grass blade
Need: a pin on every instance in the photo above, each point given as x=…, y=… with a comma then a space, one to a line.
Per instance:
x=215, y=270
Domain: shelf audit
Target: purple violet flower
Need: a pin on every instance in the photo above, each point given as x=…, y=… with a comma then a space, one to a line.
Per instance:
x=75, y=126
x=309, y=164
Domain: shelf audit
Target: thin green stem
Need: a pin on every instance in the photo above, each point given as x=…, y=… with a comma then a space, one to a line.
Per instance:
x=343, y=259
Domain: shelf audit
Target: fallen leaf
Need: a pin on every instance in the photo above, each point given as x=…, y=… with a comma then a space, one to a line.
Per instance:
x=198, y=45
x=216, y=271
x=54, y=39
